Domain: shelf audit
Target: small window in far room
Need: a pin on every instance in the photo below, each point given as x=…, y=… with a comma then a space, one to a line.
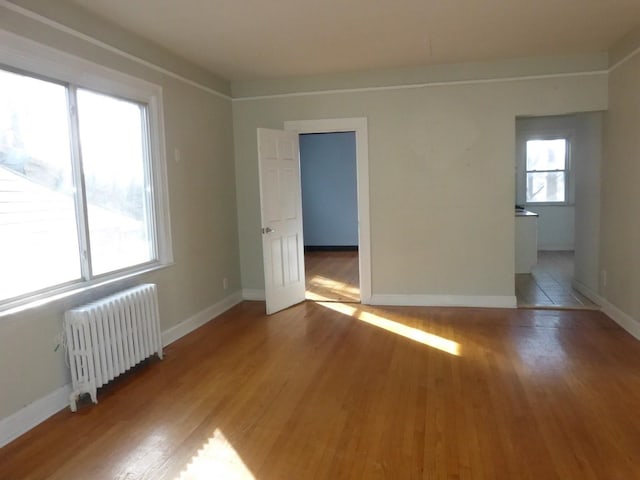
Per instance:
x=547, y=170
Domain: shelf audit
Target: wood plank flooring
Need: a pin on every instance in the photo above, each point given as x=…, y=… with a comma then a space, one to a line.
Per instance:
x=337, y=391
x=332, y=276
x=549, y=284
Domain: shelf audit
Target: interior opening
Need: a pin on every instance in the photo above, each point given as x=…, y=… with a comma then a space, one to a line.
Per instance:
x=328, y=173
x=557, y=210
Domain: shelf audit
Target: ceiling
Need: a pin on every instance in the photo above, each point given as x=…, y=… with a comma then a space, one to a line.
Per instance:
x=258, y=39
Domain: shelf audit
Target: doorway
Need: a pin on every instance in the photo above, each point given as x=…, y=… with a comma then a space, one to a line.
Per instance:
x=328, y=173
x=342, y=273
x=558, y=195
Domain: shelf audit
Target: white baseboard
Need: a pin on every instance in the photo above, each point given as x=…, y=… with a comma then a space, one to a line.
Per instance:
x=200, y=318
x=253, y=294
x=485, y=301
x=626, y=321
x=587, y=292
x=555, y=248
x=37, y=412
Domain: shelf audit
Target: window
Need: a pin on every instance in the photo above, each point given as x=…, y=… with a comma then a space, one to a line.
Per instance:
x=82, y=188
x=114, y=164
x=546, y=170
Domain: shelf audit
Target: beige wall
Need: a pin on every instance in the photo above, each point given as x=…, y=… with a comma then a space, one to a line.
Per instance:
x=203, y=224
x=620, y=231
x=441, y=175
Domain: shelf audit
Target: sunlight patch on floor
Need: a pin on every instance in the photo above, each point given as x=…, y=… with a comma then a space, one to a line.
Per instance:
x=321, y=288
x=216, y=459
x=429, y=339
x=316, y=297
x=321, y=281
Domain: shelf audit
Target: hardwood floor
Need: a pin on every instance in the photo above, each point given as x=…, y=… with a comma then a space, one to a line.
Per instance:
x=345, y=391
x=332, y=276
x=549, y=284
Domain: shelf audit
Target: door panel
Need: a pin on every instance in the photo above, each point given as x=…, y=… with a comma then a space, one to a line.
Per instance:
x=277, y=274
x=290, y=180
x=272, y=208
x=292, y=259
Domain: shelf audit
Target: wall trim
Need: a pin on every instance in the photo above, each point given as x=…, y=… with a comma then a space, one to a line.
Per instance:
x=71, y=31
x=555, y=247
x=200, y=318
x=253, y=294
x=624, y=59
x=75, y=33
x=37, y=412
x=627, y=322
x=587, y=292
x=33, y=414
x=483, y=301
x=422, y=85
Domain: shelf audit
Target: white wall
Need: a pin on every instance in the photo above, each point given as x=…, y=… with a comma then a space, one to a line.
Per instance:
x=203, y=216
x=441, y=175
x=555, y=226
x=587, y=170
x=620, y=217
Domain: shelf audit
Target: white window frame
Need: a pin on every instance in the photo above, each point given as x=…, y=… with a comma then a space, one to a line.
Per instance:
x=558, y=135
x=32, y=58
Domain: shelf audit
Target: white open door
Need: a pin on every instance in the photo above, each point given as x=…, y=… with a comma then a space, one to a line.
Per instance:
x=281, y=210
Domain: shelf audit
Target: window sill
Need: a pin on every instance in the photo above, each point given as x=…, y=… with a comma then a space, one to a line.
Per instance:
x=44, y=299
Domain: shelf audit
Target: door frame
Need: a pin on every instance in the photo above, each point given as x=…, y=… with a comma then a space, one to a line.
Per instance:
x=359, y=126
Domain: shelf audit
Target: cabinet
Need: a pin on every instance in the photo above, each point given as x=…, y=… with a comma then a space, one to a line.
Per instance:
x=526, y=240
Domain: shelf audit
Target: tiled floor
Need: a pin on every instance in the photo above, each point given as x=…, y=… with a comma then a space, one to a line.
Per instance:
x=549, y=284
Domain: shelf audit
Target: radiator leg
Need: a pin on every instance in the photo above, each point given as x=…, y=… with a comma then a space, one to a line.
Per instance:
x=94, y=396
x=72, y=402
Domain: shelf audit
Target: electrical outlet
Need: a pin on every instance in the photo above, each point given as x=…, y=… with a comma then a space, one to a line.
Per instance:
x=225, y=283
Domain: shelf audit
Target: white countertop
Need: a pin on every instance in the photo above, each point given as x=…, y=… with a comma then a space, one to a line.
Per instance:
x=525, y=213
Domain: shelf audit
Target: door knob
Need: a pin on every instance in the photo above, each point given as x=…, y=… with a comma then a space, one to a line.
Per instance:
x=267, y=230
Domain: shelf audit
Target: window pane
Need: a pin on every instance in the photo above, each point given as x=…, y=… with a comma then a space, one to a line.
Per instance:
x=546, y=154
x=38, y=233
x=113, y=141
x=545, y=187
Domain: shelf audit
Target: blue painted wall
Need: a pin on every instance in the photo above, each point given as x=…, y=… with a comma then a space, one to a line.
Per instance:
x=329, y=194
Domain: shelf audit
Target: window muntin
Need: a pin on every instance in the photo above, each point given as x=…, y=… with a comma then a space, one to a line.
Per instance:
x=546, y=163
x=75, y=203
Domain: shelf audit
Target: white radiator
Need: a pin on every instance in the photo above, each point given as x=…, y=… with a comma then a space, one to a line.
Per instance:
x=108, y=337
